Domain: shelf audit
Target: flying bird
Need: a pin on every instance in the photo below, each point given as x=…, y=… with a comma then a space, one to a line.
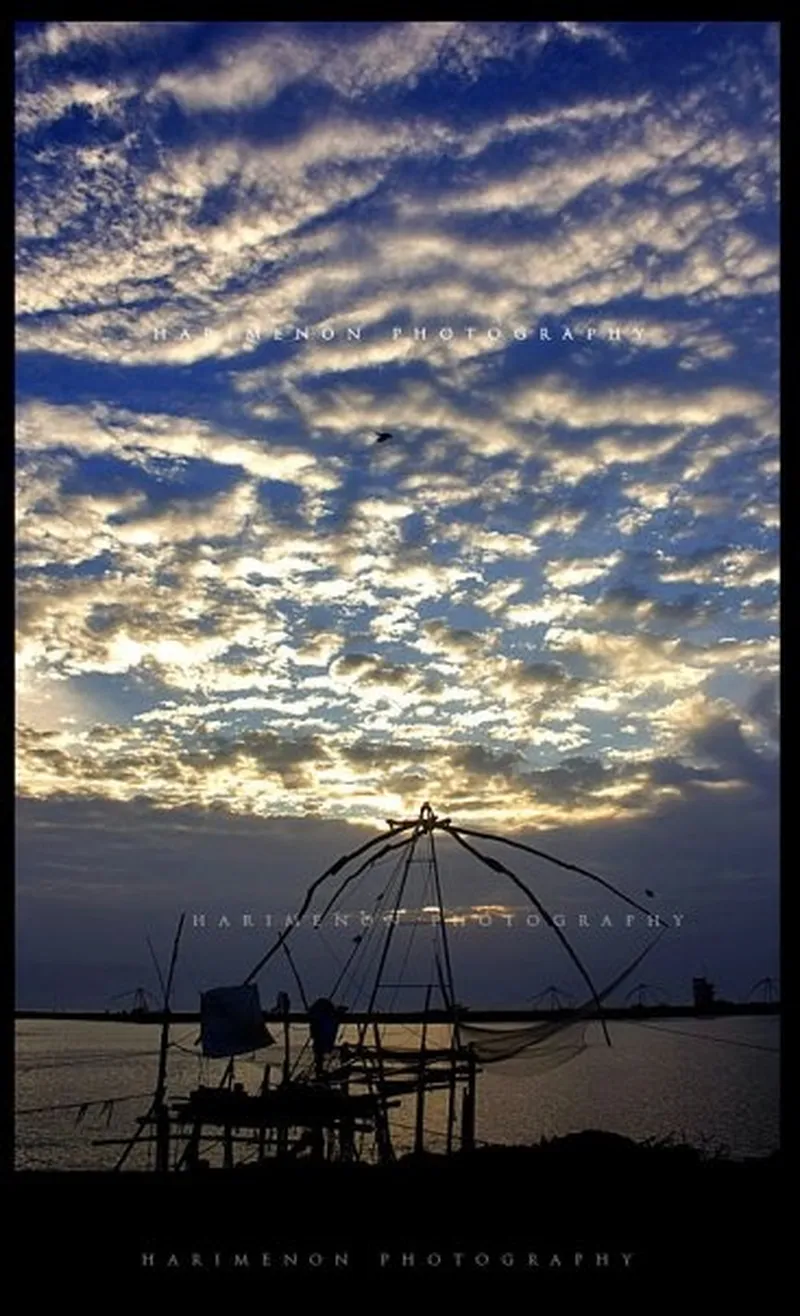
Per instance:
x=650, y=893
x=382, y=436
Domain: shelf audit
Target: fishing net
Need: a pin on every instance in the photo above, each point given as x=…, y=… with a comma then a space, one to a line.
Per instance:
x=546, y=1044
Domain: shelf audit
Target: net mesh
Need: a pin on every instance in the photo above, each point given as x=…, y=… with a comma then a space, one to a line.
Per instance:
x=544, y=1044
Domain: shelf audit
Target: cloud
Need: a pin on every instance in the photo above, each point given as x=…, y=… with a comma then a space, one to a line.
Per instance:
x=57, y=39
x=352, y=60
x=763, y=709
x=553, y=400
x=227, y=238
x=723, y=742
x=732, y=568
x=568, y=572
x=595, y=32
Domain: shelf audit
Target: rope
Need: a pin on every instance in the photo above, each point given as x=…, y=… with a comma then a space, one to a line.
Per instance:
x=498, y=867
x=348, y=969
x=410, y=941
x=296, y=975
x=331, y=871
x=551, y=859
x=369, y=941
x=327, y=946
x=707, y=1037
x=415, y=835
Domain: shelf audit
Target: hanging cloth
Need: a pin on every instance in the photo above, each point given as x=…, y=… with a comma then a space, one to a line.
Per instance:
x=231, y=1022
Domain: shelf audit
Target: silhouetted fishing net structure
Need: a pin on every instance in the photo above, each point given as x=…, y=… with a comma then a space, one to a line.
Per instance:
x=421, y=1060
x=361, y=1086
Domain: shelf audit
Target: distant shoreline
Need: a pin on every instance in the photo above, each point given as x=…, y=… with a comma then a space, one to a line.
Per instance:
x=721, y=1009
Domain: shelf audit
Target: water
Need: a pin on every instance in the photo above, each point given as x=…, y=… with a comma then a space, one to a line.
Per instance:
x=711, y=1082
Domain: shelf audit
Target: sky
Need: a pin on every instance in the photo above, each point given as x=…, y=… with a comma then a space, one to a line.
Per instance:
x=544, y=257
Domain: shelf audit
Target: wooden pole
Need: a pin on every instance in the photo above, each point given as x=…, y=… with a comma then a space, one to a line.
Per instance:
x=347, y=1148
x=468, y=1106
x=419, y=1132
x=448, y=967
x=161, y=1113
x=262, y=1133
x=385, y=1148
x=451, y=1100
x=282, y=1131
x=192, y=1153
x=157, y=1111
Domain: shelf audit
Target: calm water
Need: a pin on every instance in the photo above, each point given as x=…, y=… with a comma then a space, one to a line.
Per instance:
x=708, y=1082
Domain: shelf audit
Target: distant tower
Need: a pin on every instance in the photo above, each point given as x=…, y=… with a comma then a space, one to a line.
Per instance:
x=703, y=992
x=140, y=998
x=768, y=987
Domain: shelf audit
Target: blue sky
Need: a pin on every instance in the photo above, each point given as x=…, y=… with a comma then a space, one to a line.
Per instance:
x=545, y=256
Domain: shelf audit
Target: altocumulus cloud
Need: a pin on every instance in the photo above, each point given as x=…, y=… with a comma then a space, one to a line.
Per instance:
x=545, y=257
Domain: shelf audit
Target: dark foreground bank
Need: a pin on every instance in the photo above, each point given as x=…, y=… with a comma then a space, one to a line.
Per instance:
x=593, y=1206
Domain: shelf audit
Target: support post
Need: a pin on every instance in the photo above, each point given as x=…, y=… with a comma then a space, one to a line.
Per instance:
x=419, y=1132
x=468, y=1106
x=262, y=1132
x=451, y=1099
x=157, y=1110
x=384, y=1138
